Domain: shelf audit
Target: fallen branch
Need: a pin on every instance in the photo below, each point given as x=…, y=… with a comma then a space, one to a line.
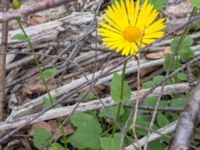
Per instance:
x=33, y=105
x=153, y=136
x=25, y=10
x=187, y=122
x=94, y=105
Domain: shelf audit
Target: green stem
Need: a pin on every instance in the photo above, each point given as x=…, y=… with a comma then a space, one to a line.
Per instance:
x=36, y=60
x=121, y=96
x=122, y=91
x=43, y=79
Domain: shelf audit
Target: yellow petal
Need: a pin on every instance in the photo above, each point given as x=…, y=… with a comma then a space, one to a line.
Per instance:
x=154, y=35
x=156, y=26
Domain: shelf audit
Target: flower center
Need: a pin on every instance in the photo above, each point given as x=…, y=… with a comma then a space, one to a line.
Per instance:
x=131, y=34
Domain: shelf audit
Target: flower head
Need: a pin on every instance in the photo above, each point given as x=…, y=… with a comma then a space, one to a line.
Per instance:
x=127, y=26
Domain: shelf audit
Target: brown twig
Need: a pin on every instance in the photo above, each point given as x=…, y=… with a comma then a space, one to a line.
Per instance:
x=189, y=118
x=4, y=42
x=25, y=10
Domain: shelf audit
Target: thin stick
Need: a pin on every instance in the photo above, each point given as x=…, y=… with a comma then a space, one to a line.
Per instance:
x=3, y=49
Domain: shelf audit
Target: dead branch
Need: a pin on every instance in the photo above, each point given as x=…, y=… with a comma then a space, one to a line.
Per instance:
x=25, y=10
x=153, y=136
x=3, y=49
x=187, y=122
x=93, y=105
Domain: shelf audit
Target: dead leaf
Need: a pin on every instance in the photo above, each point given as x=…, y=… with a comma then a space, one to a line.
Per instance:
x=67, y=131
x=38, y=87
x=43, y=124
x=37, y=19
x=146, y=71
x=158, y=55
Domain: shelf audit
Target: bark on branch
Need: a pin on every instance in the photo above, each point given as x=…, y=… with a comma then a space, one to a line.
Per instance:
x=25, y=10
x=187, y=122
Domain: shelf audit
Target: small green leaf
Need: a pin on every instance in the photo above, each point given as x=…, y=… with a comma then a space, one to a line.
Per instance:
x=148, y=84
x=116, y=89
x=195, y=3
x=110, y=112
x=143, y=120
x=158, y=4
x=157, y=79
x=171, y=62
x=88, y=131
x=178, y=102
x=198, y=24
x=186, y=42
x=151, y=101
x=56, y=146
x=162, y=120
x=87, y=96
x=182, y=76
x=48, y=102
x=48, y=73
x=21, y=37
x=186, y=54
x=111, y=143
x=41, y=137
x=164, y=103
x=156, y=145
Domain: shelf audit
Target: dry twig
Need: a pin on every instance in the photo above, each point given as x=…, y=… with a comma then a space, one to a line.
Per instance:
x=187, y=122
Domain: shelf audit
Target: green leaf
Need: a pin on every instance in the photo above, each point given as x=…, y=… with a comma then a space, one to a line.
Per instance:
x=186, y=54
x=88, y=131
x=48, y=73
x=182, y=76
x=87, y=96
x=21, y=37
x=198, y=24
x=184, y=51
x=178, y=102
x=56, y=146
x=158, y=4
x=151, y=101
x=195, y=3
x=156, y=145
x=186, y=42
x=156, y=80
x=110, y=112
x=162, y=120
x=41, y=137
x=164, y=103
x=116, y=89
x=111, y=143
x=48, y=102
x=143, y=120
x=148, y=84
x=171, y=62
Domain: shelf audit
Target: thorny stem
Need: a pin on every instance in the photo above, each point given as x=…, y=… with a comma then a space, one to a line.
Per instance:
x=43, y=79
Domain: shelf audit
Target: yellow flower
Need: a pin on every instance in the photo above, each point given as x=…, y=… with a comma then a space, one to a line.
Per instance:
x=127, y=26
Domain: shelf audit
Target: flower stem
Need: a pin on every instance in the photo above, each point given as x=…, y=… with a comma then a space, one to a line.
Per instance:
x=43, y=79
x=122, y=91
x=121, y=96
